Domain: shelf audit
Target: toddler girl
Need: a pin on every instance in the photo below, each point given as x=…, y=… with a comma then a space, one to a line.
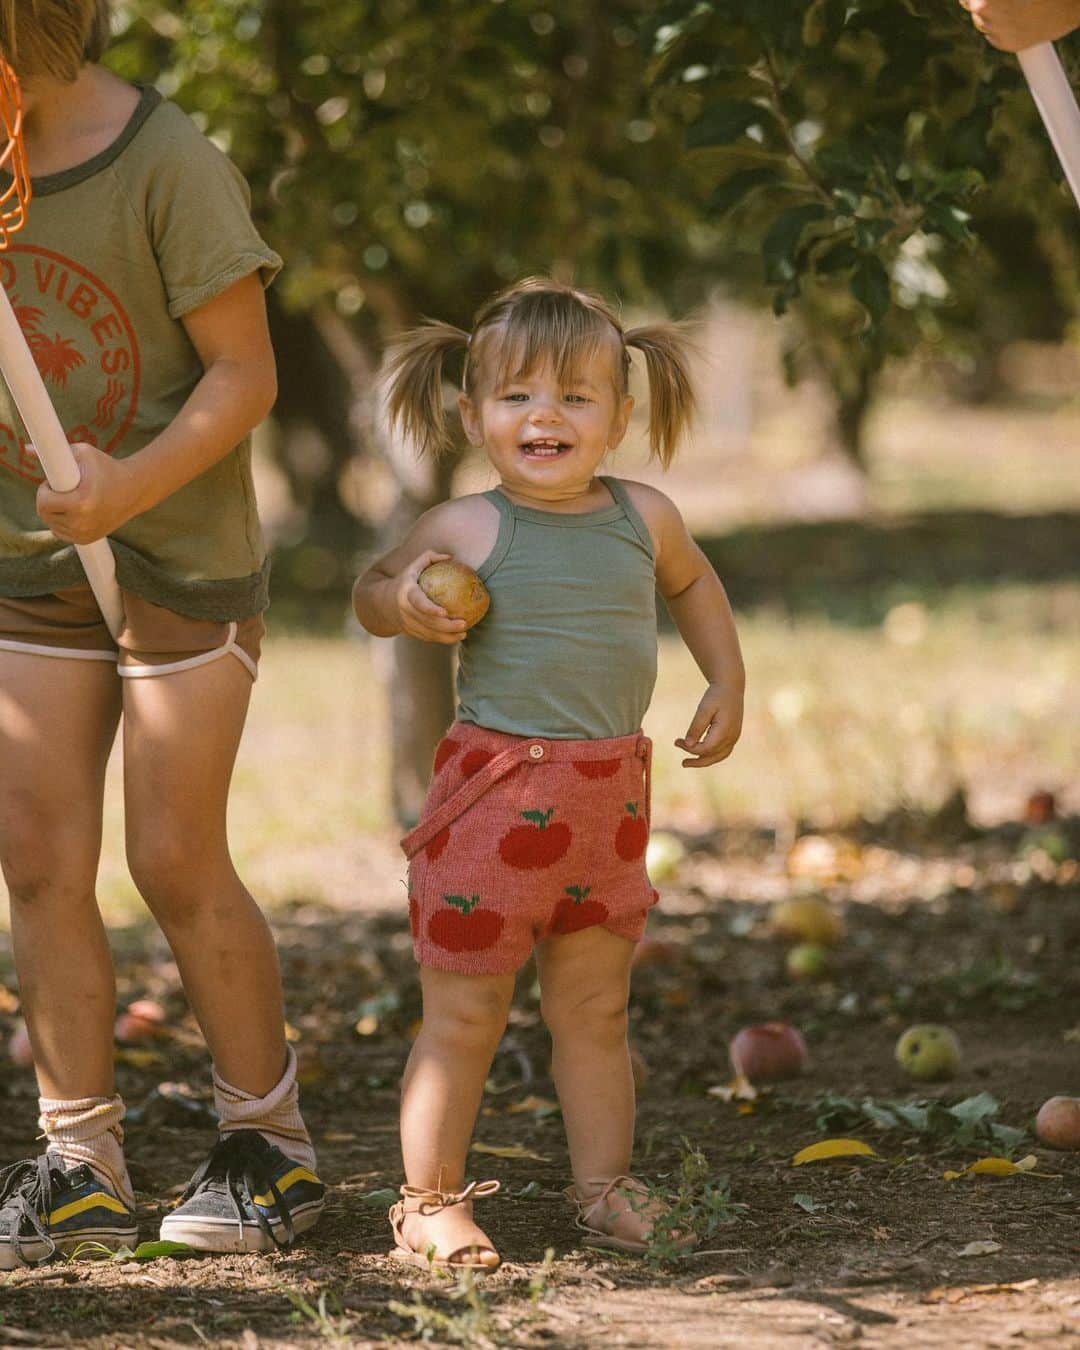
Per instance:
x=534, y=831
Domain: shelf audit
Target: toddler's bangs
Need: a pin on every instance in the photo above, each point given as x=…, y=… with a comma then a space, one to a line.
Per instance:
x=545, y=330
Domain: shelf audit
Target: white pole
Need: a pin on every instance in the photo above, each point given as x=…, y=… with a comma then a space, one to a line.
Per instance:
x=48, y=439
x=1057, y=106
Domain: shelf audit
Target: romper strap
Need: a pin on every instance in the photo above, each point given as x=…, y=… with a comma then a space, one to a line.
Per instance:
x=529, y=750
x=469, y=792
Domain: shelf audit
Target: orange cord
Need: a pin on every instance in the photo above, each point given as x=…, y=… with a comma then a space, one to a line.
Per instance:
x=16, y=196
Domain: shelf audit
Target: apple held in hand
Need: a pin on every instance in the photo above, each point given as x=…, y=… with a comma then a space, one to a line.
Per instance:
x=928, y=1053
x=1058, y=1122
x=768, y=1050
x=457, y=588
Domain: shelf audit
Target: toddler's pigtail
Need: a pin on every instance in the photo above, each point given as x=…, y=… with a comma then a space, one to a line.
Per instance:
x=415, y=392
x=671, y=395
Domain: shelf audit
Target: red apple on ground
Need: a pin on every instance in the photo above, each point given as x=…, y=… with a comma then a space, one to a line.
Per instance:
x=768, y=1050
x=19, y=1047
x=143, y=1020
x=1058, y=1122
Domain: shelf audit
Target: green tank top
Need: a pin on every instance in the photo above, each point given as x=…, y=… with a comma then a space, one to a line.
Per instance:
x=568, y=648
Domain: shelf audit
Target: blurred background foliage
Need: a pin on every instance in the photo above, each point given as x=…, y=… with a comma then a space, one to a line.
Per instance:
x=869, y=171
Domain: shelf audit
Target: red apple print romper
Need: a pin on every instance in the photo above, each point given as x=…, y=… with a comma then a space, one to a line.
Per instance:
x=537, y=816
x=524, y=838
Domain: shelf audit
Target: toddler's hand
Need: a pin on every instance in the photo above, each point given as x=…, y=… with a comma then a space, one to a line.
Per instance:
x=420, y=617
x=715, y=728
x=99, y=505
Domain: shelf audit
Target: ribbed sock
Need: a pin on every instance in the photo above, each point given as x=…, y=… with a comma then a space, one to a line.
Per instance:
x=276, y=1116
x=88, y=1131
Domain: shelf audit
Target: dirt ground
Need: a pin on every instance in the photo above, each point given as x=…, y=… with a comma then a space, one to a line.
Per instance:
x=942, y=922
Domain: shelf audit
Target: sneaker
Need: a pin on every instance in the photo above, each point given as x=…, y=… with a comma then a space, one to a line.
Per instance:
x=246, y=1197
x=48, y=1210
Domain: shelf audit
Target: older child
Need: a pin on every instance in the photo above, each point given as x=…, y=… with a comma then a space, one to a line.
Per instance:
x=536, y=822
x=138, y=282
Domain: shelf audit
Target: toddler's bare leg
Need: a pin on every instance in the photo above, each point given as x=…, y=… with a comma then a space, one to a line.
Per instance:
x=464, y=1018
x=585, y=984
x=57, y=723
x=181, y=735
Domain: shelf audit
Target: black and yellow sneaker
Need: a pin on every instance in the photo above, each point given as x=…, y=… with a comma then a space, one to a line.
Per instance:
x=48, y=1210
x=246, y=1197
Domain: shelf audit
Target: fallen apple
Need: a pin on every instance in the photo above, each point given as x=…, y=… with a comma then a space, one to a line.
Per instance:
x=1058, y=1122
x=19, y=1047
x=663, y=856
x=1040, y=807
x=768, y=1050
x=808, y=919
x=457, y=588
x=807, y=961
x=143, y=1020
x=928, y=1052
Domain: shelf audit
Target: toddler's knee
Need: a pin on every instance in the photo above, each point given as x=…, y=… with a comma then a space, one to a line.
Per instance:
x=596, y=1016
x=474, y=1022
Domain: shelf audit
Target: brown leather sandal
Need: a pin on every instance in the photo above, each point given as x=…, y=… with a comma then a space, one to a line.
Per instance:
x=419, y=1200
x=591, y=1210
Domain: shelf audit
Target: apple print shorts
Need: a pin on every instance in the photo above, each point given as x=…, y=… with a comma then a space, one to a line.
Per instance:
x=525, y=838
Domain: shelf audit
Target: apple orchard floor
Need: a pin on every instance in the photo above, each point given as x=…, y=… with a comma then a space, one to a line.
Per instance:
x=940, y=926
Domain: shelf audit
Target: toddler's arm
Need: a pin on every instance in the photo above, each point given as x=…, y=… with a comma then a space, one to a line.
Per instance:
x=699, y=605
x=387, y=599
x=236, y=391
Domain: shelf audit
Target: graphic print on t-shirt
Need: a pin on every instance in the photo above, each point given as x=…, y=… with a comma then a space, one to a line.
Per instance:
x=82, y=342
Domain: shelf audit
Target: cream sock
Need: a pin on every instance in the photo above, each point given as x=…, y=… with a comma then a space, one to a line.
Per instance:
x=276, y=1116
x=88, y=1131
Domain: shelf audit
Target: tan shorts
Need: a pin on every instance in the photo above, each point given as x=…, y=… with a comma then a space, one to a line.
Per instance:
x=153, y=641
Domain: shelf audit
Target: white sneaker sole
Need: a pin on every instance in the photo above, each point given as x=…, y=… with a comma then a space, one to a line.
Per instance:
x=33, y=1250
x=230, y=1235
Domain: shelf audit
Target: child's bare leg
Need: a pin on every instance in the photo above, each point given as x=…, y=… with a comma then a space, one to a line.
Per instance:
x=181, y=735
x=57, y=723
x=464, y=1018
x=585, y=985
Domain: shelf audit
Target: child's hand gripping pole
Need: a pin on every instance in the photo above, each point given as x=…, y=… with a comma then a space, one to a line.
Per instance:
x=1057, y=106
x=22, y=376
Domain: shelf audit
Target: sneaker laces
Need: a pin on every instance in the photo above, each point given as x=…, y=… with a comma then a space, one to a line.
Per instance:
x=26, y=1195
x=242, y=1163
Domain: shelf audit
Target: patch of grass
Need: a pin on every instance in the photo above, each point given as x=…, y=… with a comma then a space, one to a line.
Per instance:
x=325, y=1317
x=693, y=1200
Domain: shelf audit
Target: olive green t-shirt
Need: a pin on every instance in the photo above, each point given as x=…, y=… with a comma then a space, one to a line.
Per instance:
x=115, y=252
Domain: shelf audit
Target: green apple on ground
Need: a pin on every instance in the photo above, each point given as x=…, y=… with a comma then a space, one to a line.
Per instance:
x=807, y=919
x=928, y=1052
x=663, y=856
x=807, y=961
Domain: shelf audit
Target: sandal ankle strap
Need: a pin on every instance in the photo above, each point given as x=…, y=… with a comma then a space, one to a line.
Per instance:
x=432, y=1202
x=589, y=1203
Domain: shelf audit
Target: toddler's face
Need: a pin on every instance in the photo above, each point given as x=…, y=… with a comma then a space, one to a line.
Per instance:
x=545, y=438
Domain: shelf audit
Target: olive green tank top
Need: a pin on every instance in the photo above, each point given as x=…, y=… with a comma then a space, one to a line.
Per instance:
x=568, y=648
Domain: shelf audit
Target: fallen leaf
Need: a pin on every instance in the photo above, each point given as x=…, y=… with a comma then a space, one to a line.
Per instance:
x=833, y=1148
x=999, y=1167
x=981, y=1248
x=139, y=1059
x=508, y=1151
x=541, y=1105
x=739, y=1089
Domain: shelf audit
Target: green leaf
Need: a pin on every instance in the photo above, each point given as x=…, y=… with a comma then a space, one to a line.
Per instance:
x=724, y=122
x=879, y=1115
x=781, y=244
x=974, y=1110
x=734, y=189
x=380, y=1199
x=153, y=1251
x=870, y=286
x=836, y=258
